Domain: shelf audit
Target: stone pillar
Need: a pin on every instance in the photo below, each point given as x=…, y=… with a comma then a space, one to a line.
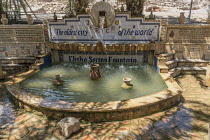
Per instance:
x=208, y=76
x=55, y=56
x=187, y=52
x=151, y=58
x=1, y=73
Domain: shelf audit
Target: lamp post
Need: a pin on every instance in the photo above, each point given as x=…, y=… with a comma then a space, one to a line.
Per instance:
x=190, y=11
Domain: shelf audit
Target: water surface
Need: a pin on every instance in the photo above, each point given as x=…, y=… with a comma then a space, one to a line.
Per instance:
x=79, y=88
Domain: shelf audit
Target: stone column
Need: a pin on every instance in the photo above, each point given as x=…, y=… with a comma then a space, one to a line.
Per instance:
x=208, y=76
x=1, y=73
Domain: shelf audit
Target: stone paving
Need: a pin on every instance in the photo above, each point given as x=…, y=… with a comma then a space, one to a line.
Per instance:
x=187, y=120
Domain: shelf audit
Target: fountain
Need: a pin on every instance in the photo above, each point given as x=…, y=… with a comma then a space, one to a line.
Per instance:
x=121, y=44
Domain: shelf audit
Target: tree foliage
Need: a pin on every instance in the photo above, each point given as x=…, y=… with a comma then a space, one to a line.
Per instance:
x=76, y=6
x=13, y=8
x=135, y=6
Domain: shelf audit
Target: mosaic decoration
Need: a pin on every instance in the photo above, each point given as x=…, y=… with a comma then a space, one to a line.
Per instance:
x=82, y=30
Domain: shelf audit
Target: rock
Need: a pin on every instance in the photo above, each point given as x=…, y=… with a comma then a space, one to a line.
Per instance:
x=69, y=125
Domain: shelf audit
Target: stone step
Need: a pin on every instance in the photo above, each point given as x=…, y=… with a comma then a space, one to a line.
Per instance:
x=14, y=65
x=192, y=68
x=168, y=56
x=163, y=68
x=171, y=64
x=174, y=72
x=35, y=66
x=17, y=58
x=187, y=70
x=192, y=63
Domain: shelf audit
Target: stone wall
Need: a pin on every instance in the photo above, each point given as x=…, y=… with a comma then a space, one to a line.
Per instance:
x=21, y=40
x=19, y=50
x=188, y=41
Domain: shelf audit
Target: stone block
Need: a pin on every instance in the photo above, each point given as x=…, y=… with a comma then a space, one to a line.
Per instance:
x=208, y=76
x=1, y=73
x=69, y=125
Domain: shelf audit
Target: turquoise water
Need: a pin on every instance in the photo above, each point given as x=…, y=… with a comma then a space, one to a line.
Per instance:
x=79, y=88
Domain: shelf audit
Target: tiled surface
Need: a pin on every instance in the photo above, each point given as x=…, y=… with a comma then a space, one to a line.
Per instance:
x=123, y=29
x=189, y=120
x=19, y=50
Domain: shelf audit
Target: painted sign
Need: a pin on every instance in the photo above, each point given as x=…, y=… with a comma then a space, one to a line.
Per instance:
x=123, y=30
x=136, y=57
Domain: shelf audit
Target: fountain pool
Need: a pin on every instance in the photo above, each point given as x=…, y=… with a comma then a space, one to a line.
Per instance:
x=78, y=87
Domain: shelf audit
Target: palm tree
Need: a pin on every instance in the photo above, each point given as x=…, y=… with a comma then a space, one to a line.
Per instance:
x=76, y=6
x=13, y=8
x=135, y=6
x=1, y=8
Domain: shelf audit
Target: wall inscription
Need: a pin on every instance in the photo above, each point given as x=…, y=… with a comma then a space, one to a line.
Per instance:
x=117, y=57
x=123, y=30
x=20, y=34
x=189, y=35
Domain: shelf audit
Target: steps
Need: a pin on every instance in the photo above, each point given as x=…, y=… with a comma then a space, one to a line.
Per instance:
x=187, y=70
x=16, y=64
x=162, y=61
x=172, y=64
x=40, y=60
x=175, y=67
